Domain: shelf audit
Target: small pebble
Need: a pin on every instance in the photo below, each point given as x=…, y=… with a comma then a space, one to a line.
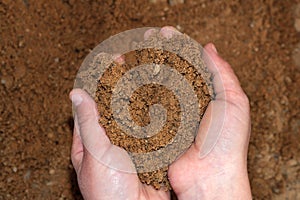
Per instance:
x=15, y=169
x=156, y=70
x=7, y=81
x=21, y=44
x=178, y=27
x=288, y=79
x=50, y=135
x=297, y=24
x=51, y=171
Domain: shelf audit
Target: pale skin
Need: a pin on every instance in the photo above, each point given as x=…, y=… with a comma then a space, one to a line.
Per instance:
x=222, y=174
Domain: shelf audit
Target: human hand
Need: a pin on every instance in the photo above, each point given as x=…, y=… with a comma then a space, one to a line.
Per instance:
x=222, y=174
x=95, y=179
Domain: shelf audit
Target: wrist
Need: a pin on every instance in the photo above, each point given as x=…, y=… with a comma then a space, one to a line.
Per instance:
x=228, y=183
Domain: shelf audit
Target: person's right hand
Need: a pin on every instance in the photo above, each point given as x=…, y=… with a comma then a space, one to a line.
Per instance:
x=222, y=174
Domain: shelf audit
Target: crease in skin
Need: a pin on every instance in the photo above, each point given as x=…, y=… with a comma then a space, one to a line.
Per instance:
x=76, y=125
x=237, y=117
x=214, y=129
x=201, y=189
x=121, y=161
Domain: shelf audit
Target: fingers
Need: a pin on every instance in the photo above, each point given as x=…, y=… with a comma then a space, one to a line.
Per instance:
x=227, y=111
x=90, y=132
x=149, y=32
x=225, y=82
x=120, y=59
x=166, y=31
x=97, y=147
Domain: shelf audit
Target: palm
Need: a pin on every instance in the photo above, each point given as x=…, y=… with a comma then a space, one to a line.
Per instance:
x=189, y=170
x=230, y=151
x=113, y=184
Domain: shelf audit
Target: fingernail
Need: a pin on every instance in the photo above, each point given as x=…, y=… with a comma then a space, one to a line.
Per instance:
x=214, y=48
x=168, y=32
x=120, y=59
x=149, y=33
x=76, y=99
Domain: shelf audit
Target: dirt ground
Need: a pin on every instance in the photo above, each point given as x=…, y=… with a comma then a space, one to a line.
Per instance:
x=43, y=43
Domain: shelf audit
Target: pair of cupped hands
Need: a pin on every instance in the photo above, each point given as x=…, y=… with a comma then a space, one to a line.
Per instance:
x=222, y=174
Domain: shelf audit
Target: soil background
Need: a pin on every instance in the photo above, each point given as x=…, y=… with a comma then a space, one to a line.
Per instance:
x=43, y=44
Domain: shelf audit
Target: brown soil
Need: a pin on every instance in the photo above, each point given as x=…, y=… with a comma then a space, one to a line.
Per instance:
x=140, y=102
x=43, y=44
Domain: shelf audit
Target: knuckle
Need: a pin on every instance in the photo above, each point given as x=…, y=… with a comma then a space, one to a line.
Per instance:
x=238, y=97
x=86, y=119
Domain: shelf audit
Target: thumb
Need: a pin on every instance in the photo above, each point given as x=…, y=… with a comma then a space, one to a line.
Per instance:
x=229, y=111
x=96, y=144
x=86, y=117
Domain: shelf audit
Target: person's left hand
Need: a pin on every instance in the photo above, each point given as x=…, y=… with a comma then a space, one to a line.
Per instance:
x=96, y=180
